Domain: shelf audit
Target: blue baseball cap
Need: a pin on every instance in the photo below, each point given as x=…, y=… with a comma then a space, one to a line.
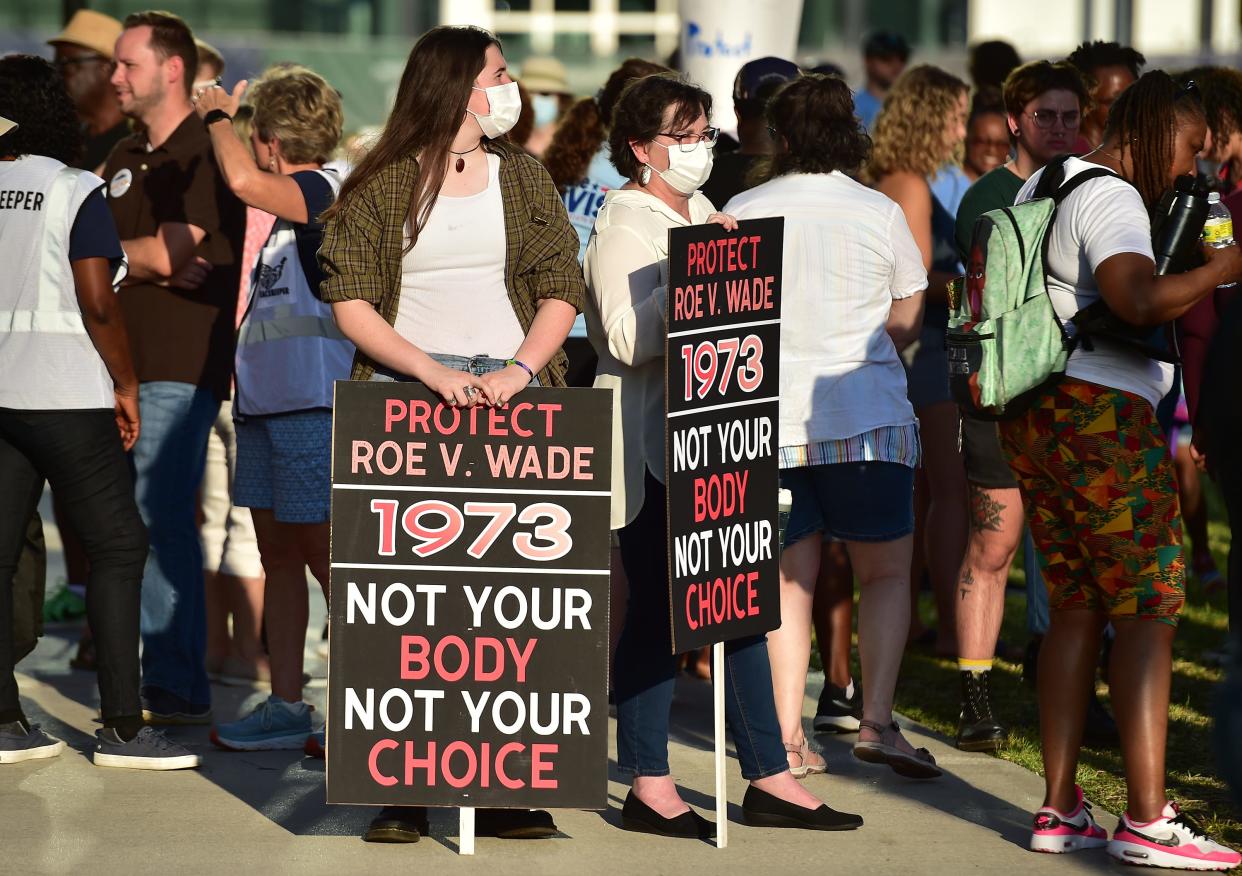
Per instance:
x=759, y=78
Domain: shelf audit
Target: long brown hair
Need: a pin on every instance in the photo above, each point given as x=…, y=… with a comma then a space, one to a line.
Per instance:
x=426, y=116
x=1145, y=116
x=585, y=125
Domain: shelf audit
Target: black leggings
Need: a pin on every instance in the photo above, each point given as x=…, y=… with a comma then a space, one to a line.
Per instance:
x=79, y=453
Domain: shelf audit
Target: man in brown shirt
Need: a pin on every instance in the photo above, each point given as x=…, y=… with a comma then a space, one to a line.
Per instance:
x=182, y=230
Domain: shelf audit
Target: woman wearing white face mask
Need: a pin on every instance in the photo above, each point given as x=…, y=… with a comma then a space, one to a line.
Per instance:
x=448, y=258
x=660, y=141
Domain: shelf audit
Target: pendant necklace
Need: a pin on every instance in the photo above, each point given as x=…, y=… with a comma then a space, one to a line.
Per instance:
x=461, y=162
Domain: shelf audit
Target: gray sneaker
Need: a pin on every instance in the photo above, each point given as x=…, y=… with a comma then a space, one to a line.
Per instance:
x=149, y=750
x=19, y=742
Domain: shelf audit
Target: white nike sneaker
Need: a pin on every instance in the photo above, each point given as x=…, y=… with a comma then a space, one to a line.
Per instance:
x=1172, y=841
x=1059, y=832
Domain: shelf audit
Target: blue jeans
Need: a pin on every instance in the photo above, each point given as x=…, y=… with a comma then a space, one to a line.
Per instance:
x=645, y=666
x=476, y=365
x=168, y=463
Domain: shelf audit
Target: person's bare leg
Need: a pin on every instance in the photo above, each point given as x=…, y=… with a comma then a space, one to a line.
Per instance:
x=995, y=532
x=246, y=604
x=883, y=616
x=1194, y=511
x=286, y=605
x=945, y=530
x=832, y=612
x=789, y=645
x=314, y=542
x=1067, y=662
x=660, y=793
x=1142, y=666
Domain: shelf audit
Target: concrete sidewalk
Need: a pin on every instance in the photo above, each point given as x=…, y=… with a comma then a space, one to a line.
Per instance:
x=264, y=812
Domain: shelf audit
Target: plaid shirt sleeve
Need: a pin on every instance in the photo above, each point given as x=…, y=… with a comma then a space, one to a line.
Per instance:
x=350, y=257
x=556, y=272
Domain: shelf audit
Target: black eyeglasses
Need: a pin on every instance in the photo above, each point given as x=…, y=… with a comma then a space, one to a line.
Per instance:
x=1046, y=118
x=687, y=142
x=62, y=63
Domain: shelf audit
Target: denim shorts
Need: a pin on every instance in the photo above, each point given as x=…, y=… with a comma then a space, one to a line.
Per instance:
x=851, y=501
x=284, y=463
x=470, y=364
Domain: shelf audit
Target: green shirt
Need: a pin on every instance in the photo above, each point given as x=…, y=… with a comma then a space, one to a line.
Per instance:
x=363, y=246
x=995, y=189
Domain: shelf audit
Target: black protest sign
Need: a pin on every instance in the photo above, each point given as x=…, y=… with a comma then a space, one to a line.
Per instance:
x=722, y=385
x=469, y=608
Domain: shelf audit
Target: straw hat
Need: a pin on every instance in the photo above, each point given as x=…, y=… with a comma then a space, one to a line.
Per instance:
x=543, y=75
x=91, y=30
x=6, y=125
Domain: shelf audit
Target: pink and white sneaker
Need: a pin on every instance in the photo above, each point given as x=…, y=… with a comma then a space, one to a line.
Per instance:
x=1058, y=832
x=1172, y=841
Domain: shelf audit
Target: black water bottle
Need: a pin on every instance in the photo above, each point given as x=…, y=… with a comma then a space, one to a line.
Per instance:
x=1177, y=226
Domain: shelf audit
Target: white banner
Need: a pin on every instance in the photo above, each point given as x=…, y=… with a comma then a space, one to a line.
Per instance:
x=719, y=36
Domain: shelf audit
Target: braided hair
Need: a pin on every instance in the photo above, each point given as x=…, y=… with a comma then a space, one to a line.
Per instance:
x=1145, y=118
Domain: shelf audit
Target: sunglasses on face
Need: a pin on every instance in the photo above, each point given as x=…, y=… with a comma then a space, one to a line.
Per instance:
x=64, y=63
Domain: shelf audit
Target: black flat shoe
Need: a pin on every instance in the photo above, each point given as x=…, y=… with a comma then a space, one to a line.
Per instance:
x=761, y=809
x=514, y=823
x=398, y=824
x=641, y=818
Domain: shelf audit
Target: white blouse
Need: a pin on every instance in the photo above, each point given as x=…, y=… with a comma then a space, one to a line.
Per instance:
x=626, y=269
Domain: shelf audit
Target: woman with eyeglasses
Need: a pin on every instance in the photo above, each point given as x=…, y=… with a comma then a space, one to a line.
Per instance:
x=660, y=141
x=920, y=129
x=1097, y=481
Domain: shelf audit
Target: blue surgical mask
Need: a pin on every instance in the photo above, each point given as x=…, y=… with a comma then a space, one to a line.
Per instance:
x=547, y=108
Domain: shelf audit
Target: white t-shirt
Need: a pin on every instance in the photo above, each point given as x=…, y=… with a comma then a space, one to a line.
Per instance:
x=453, y=295
x=1102, y=218
x=848, y=254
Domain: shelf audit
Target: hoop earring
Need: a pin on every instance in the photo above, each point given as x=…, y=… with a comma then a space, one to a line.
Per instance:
x=645, y=176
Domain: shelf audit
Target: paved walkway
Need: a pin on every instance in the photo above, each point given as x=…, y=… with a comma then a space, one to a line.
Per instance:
x=264, y=812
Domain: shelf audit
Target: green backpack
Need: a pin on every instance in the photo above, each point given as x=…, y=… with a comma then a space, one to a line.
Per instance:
x=1005, y=341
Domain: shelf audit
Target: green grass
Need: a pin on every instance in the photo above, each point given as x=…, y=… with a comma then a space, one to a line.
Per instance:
x=929, y=693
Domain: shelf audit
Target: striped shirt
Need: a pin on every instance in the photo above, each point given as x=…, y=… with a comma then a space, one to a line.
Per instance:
x=898, y=444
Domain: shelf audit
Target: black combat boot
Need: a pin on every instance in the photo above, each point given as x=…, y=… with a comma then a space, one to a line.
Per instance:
x=977, y=730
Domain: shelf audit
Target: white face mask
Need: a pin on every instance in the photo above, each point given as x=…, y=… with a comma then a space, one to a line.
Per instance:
x=687, y=171
x=506, y=106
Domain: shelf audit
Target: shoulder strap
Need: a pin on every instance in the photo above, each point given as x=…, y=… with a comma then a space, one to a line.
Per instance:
x=1067, y=187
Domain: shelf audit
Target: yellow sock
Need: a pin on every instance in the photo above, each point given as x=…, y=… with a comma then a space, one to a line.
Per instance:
x=974, y=665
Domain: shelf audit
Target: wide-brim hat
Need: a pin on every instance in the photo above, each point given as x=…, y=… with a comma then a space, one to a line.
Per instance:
x=91, y=30
x=543, y=75
x=6, y=125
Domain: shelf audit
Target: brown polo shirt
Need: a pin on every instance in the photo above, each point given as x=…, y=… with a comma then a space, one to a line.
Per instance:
x=179, y=335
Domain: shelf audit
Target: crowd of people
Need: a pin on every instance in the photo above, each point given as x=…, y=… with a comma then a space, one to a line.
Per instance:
x=192, y=268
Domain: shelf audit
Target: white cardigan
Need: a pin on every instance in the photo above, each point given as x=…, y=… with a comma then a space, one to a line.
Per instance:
x=626, y=269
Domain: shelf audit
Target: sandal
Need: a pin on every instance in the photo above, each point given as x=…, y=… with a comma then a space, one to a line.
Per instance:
x=920, y=765
x=809, y=762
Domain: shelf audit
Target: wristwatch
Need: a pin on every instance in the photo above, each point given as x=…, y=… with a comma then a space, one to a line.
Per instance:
x=216, y=115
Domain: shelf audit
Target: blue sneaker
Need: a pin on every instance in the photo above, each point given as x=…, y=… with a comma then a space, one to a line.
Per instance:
x=273, y=725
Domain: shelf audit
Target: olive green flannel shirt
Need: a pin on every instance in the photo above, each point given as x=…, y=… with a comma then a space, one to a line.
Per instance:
x=362, y=246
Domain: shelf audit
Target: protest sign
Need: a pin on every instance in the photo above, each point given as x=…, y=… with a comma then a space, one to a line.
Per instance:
x=469, y=607
x=723, y=360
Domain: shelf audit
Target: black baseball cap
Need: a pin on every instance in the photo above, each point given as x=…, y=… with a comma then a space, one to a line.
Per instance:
x=885, y=44
x=759, y=78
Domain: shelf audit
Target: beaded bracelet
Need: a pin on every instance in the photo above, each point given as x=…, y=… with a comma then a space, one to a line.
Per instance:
x=522, y=365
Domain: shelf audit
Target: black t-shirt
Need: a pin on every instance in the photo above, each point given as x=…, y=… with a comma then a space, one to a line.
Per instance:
x=728, y=177
x=318, y=196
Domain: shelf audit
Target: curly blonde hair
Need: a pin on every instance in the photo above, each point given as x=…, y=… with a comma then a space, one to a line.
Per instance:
x=298, y=106
x=908, y=134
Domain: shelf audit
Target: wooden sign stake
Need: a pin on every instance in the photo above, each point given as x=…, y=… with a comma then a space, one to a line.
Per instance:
x=465, y=845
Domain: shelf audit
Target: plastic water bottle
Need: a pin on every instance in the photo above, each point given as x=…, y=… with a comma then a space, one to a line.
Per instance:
x=1218, y=227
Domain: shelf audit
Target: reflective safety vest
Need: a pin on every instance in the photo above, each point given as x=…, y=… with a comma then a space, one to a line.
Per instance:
x=46, y=356
x=289, y=349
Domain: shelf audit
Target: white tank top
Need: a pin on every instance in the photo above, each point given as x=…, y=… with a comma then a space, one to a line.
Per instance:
x=453, y=295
